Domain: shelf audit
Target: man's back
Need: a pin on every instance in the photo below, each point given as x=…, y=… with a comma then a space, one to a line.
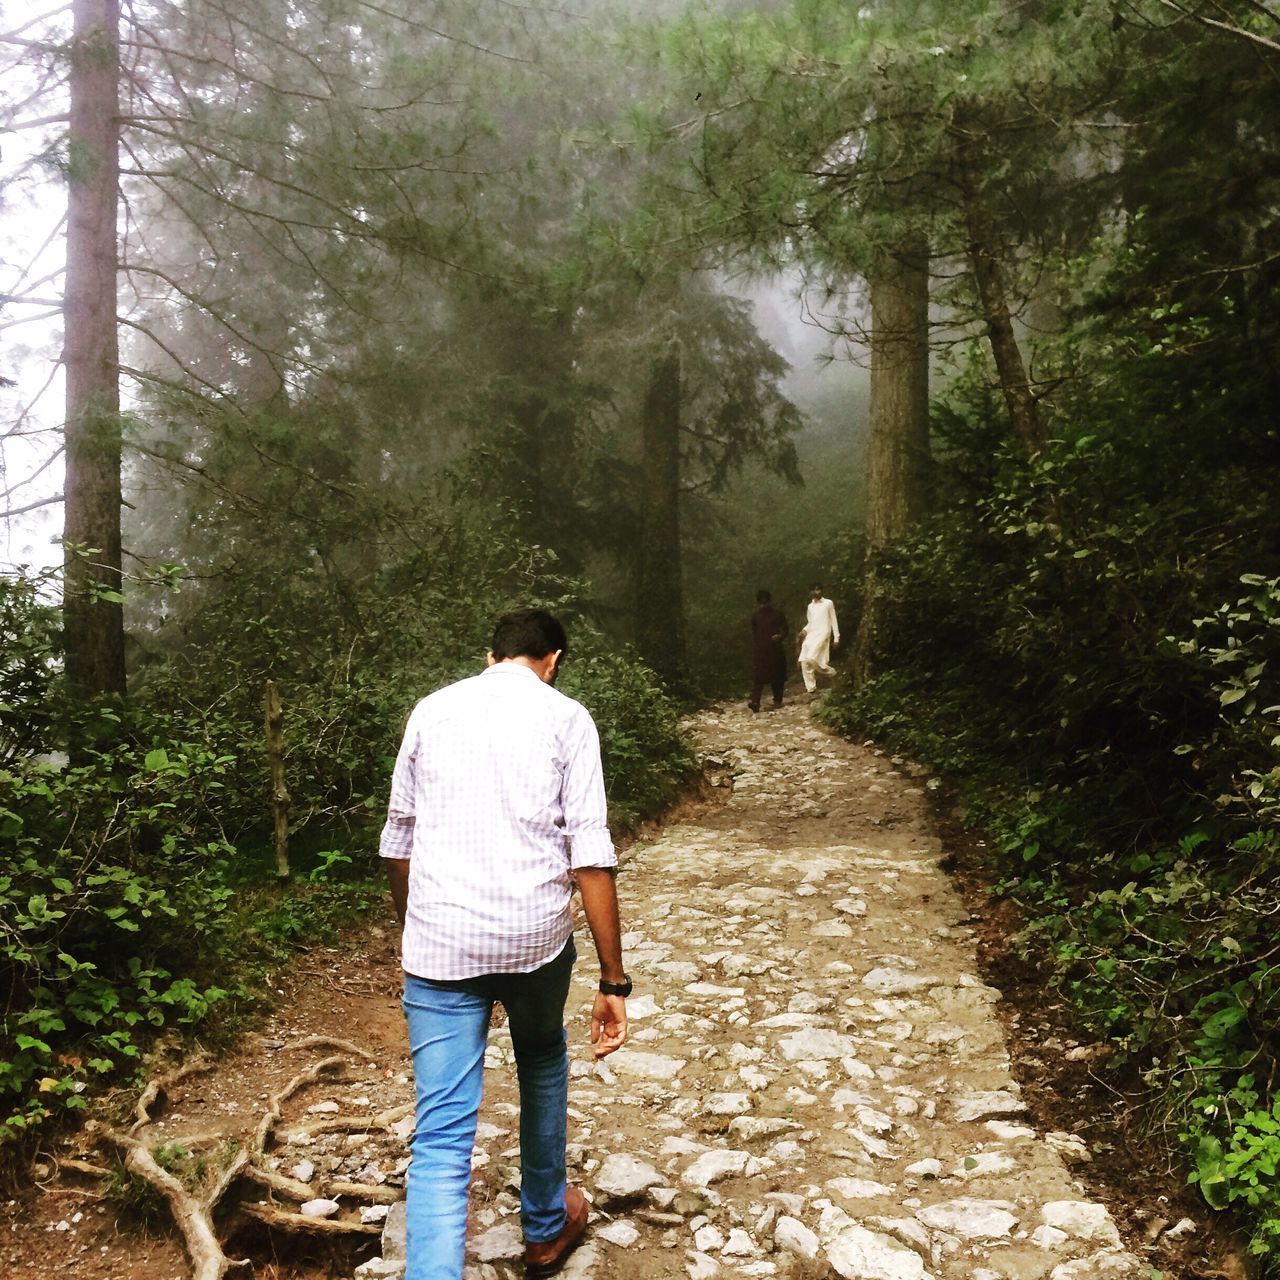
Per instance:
x=498, y=787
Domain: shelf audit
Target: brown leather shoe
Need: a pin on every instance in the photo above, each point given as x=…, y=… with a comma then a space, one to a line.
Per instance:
x=548, y=1256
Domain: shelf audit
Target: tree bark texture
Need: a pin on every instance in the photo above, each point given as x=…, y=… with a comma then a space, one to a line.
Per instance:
x=993, y=296
x=659, y=582
x=274, y=718
x=898, y=460
x=898, y=455
x=94, y=626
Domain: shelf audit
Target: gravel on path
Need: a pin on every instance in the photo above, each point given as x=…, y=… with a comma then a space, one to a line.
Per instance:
x=816, y=1081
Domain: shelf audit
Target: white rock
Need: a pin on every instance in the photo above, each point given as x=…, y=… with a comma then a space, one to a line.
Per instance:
x=1070, y=1146
x=1183, y=1227
x=874, y=1121
x=970, y=1219
x=790, y=1203
x=856, y=1188
x=701, y=1267
x=929, y=1168
x=831, y=929
x=893, y=982
x=303, y=1171
x=727, y=1104
x=319, y=1208
x=1110, y=1264
x=1009, y=1132
x=795, y=1237
x=815, y=1043
x=646, y=1066
x=503, y=1243
x=739, y=1245
x=905, y=1230
x=714, y=1166
x=1046, y=1237
x=745, y=1128
x=710, y=989
x=984, y=1164
x=708, y=1237
x=859, y=1254
x=582, y=1264
x=805, y=1002
x=623, y=1177
x=983, y=1106
x=1081, y=1220
x=792, y=1018
x=621, y=1233
x=380, y=1269
x=644, y=1006
x=371, y=1213
x=877, y=1147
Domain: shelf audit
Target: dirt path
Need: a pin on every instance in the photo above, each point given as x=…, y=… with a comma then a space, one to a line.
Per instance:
x=816, y=1078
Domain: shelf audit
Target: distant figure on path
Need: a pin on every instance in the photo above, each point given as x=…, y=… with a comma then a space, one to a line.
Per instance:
x=819, y=633
x=768, y=657
x=497, y=805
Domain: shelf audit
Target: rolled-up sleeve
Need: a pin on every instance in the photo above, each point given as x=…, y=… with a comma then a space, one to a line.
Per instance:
x=397, y=832
x=586, y=814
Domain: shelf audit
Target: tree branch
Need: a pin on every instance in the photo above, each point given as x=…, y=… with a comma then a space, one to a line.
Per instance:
x=31, y=506
x=1239, y=32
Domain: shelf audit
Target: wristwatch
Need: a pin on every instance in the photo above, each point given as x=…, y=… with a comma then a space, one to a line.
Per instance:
x=622, y=988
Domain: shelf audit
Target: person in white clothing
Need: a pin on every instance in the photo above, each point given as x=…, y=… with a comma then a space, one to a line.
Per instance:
x=821, y=630
x=497, y=810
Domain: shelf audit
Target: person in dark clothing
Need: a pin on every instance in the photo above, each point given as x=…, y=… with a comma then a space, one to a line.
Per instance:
x=768, y=658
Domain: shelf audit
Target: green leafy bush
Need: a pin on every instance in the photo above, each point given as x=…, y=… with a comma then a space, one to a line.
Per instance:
x=116, y=912
x=647, y=763
x=136, y=892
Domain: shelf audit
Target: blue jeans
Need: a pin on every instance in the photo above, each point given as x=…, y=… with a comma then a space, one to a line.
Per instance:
x=448, y=1029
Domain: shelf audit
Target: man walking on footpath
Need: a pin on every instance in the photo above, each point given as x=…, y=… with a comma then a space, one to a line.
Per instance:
x=497, y=806
x=819, y=633
x=768, y=658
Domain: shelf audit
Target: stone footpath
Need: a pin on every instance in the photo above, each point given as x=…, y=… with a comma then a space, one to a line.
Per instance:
x=816, y=1080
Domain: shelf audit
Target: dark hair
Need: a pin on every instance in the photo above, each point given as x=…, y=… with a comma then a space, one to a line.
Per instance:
x=528, y=633
x=817, y=586
x=763, y=597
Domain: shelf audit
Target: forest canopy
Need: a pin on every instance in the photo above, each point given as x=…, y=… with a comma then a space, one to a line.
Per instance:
x=378, y=319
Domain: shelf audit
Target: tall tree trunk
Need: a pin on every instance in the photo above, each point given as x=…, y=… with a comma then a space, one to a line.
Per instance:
x=92, y=610
x=898, y=457
x=659, y=581
x=993, y=296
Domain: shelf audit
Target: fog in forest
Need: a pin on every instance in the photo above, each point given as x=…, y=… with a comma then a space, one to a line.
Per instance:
x=330, y=332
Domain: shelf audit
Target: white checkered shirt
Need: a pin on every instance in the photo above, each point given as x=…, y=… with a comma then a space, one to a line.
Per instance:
x=497, y=794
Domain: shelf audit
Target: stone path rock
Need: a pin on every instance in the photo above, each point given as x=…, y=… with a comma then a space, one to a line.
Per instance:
x=816, y=1078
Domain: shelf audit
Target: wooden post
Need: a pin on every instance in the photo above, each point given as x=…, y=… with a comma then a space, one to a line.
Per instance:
x=279, y=792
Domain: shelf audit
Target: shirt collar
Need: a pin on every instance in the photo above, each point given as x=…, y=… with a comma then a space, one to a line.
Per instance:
x=511, y=666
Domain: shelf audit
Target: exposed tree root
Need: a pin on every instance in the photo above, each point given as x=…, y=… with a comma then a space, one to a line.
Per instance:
x=162, y=1084
x=193, y=1217
x=193, y=1212
x=352, y=1124
x=328, y=1042
x=374, y=1193
x=300, y=1222
x=85, y=1167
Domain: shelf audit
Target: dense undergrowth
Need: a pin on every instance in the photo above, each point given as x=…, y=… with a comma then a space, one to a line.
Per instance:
x=1088, y=643
x=137, y=892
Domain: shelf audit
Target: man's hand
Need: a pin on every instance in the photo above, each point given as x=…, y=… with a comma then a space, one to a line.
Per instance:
x=608, y=1024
